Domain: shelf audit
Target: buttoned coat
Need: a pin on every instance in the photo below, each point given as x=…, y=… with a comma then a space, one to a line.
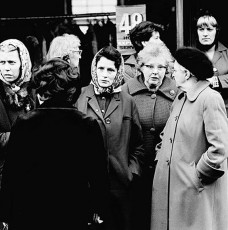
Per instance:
x=194, y=143
x=154, y=110
x=122, y=134
x=220, y=62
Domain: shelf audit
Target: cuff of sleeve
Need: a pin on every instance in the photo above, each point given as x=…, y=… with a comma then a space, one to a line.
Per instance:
x=207, y=170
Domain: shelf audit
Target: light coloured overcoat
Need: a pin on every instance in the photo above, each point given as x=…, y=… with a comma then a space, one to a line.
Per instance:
x=194, y=143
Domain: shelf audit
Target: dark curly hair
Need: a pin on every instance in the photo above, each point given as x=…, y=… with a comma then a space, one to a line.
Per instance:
x=57, y=79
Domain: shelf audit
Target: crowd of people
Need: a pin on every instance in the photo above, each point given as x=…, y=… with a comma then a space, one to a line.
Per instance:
x=142, y=146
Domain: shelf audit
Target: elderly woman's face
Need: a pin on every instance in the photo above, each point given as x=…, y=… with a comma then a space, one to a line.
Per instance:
x=75, y=55
x=179, y=74
x=10, y=65
x=106, y=72
x=154, y=72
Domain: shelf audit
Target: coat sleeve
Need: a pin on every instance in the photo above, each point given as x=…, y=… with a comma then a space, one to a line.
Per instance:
x=136, y=143
x=98, y=173
x=216, y=130
x=11, y=170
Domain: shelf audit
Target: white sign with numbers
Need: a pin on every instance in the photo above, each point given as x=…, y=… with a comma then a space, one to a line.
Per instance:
x=127, y=17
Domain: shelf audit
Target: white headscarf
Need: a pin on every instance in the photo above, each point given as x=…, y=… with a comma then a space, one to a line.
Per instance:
x=16, y=92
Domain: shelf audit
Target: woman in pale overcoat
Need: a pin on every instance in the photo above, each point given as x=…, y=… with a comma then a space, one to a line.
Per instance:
x=118, y=117
x=190, y=183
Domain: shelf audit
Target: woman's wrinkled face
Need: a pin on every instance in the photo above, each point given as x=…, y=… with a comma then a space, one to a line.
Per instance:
x=206, y=34
x=154, y=72
x=106, y=72
x=179, y=74
x=74, y=56
x=10, y=65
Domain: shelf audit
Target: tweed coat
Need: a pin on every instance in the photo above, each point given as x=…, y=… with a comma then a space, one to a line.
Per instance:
x=53, y=153
x=194, y=143
x=122, y=134
x=220, y=62
x=154, y=110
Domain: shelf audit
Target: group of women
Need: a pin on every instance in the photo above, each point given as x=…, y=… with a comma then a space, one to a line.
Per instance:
x=147, y=154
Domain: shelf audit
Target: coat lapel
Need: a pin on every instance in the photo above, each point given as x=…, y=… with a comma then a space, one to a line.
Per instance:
x=113, y=105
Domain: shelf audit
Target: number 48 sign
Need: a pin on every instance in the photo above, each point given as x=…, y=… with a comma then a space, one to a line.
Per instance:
x=129, y=21
x=127, y=17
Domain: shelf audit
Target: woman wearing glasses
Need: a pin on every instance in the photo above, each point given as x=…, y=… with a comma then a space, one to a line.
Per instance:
x=66, y=47
x=153, y=91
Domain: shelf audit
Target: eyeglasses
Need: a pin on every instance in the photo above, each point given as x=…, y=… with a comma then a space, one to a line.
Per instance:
x=159, y=67
x=79, y=52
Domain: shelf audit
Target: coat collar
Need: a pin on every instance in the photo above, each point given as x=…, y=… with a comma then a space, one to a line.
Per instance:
x=55, y=103
x=218, y=53
x=131, y=60
x=197, y=89
x=168, y=87
x=92, y=101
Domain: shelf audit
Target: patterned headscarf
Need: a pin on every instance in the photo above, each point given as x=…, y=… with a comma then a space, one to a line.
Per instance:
x=116, y=85
x=16, y=92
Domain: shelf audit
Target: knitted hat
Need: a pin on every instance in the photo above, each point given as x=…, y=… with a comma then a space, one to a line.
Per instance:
x=195, y=61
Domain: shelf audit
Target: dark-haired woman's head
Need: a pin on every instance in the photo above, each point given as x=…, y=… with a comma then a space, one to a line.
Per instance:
x=145, y=31
x=57, y=79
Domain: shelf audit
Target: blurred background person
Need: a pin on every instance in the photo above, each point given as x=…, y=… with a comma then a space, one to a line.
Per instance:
x=153, y=92
x=35, y=51
x=190, y=181
x=53, y=153
x=67, y=47
x=142, y=33
x=118, y=117
x=208, y=42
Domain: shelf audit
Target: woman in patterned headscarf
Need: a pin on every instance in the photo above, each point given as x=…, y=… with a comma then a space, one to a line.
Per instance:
x=118, y=118
x=15, y=74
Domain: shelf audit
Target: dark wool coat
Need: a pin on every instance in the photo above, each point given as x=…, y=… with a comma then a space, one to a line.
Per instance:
x=154, y=110
x=220, y=62
x=194, y=144
x=53, y=153
x=122, y=134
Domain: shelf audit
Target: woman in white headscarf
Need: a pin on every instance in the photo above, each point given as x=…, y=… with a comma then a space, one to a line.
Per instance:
x=15, y=74
x=117, y=115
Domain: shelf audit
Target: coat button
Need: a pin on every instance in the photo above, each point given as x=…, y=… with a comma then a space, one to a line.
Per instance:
x=152, y=130
x=153, y=96
x=172, y=92
x=108, y=120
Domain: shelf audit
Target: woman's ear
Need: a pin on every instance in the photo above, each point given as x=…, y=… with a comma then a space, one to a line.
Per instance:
x=144, y=43
x=187, y=74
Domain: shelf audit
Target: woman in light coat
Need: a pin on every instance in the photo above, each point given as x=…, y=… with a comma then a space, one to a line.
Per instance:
x=190, y=183
x=117, y=115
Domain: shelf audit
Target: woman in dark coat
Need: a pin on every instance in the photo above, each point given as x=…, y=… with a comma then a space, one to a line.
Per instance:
x=153, y=91
x=208, y=41
x=53, y=154
x=118, y=118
